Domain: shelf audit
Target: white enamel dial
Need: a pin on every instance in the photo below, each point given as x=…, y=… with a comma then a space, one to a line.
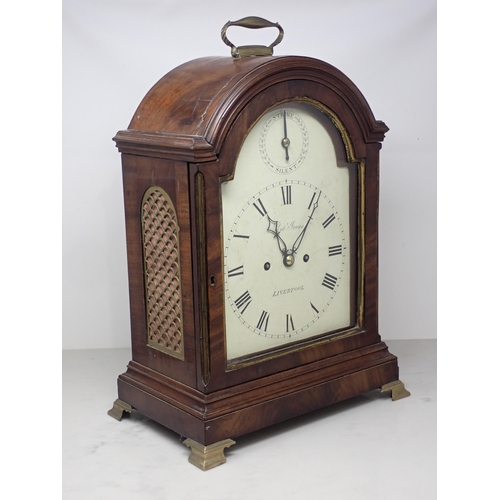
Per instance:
x=291, y=236
x=287, y=238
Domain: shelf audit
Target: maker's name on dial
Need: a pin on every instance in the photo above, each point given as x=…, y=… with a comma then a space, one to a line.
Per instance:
x=287, y=226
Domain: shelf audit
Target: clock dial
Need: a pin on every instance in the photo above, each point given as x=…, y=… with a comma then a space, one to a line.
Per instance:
x=283, y=141
x=283, y=275
x=288, y=242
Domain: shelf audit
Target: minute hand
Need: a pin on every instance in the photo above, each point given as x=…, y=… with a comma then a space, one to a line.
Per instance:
x=300, y=237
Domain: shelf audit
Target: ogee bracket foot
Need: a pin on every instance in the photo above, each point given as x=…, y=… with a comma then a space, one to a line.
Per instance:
x=208, y=457
x=119, y=407
x=397, y=389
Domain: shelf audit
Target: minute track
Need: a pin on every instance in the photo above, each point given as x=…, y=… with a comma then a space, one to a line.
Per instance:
x=282, y=224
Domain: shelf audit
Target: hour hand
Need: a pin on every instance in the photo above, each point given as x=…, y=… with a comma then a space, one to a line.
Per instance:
x=272, y=227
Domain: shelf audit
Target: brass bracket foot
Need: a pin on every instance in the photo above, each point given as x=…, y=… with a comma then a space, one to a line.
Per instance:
x=119, y=407
x=208, y=457
x=397, y=389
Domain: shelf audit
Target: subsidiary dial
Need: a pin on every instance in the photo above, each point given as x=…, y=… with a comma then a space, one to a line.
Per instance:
x=283, y=141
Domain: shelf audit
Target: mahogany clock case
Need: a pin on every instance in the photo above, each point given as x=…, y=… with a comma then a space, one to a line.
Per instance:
x=185, y=138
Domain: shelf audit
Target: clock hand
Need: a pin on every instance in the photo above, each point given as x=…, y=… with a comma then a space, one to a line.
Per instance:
x=300, y=237
x=286, y=141
x=272, y=227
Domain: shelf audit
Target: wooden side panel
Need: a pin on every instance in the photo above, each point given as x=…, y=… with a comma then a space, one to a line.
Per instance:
x=140, y=174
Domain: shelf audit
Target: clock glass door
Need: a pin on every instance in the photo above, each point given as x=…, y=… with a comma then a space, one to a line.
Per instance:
x=290, y=216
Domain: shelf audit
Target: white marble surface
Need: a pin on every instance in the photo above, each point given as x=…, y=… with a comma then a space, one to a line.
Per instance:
x=367, y=448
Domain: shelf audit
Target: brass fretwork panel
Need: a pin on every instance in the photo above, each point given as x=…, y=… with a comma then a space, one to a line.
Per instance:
x=162, y=272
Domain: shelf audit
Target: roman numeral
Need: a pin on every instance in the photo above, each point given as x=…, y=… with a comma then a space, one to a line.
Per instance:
x=289, y=323
x=263, y=321
x=243, y=301
x=286, y=193
x=235, y=272
x=335, y=250
x=329, y=221
x=312, y=305
x=329, y=281
x=261, y=209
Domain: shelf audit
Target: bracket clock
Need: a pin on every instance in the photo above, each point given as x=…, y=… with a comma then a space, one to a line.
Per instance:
x=251, y=201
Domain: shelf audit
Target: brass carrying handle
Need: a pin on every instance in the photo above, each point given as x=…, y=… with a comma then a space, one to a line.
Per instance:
x=251, y=50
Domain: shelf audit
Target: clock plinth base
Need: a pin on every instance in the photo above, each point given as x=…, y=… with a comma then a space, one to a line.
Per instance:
x=207, y=457
x=210, y=418
x=119, y=407
x=397, y=388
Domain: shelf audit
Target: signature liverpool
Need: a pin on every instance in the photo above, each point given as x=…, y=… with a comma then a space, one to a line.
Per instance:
x=277, y=293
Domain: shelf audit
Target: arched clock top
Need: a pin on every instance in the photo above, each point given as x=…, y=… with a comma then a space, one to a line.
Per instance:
x=189, y=112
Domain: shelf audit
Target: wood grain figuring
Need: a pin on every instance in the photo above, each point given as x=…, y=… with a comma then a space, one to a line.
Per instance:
x=189, y=112
x=259, y=403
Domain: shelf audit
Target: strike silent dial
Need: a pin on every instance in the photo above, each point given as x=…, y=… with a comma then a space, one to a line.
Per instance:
x=284, y=141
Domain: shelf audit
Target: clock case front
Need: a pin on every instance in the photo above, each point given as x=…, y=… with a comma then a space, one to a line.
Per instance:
x=183, y=140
